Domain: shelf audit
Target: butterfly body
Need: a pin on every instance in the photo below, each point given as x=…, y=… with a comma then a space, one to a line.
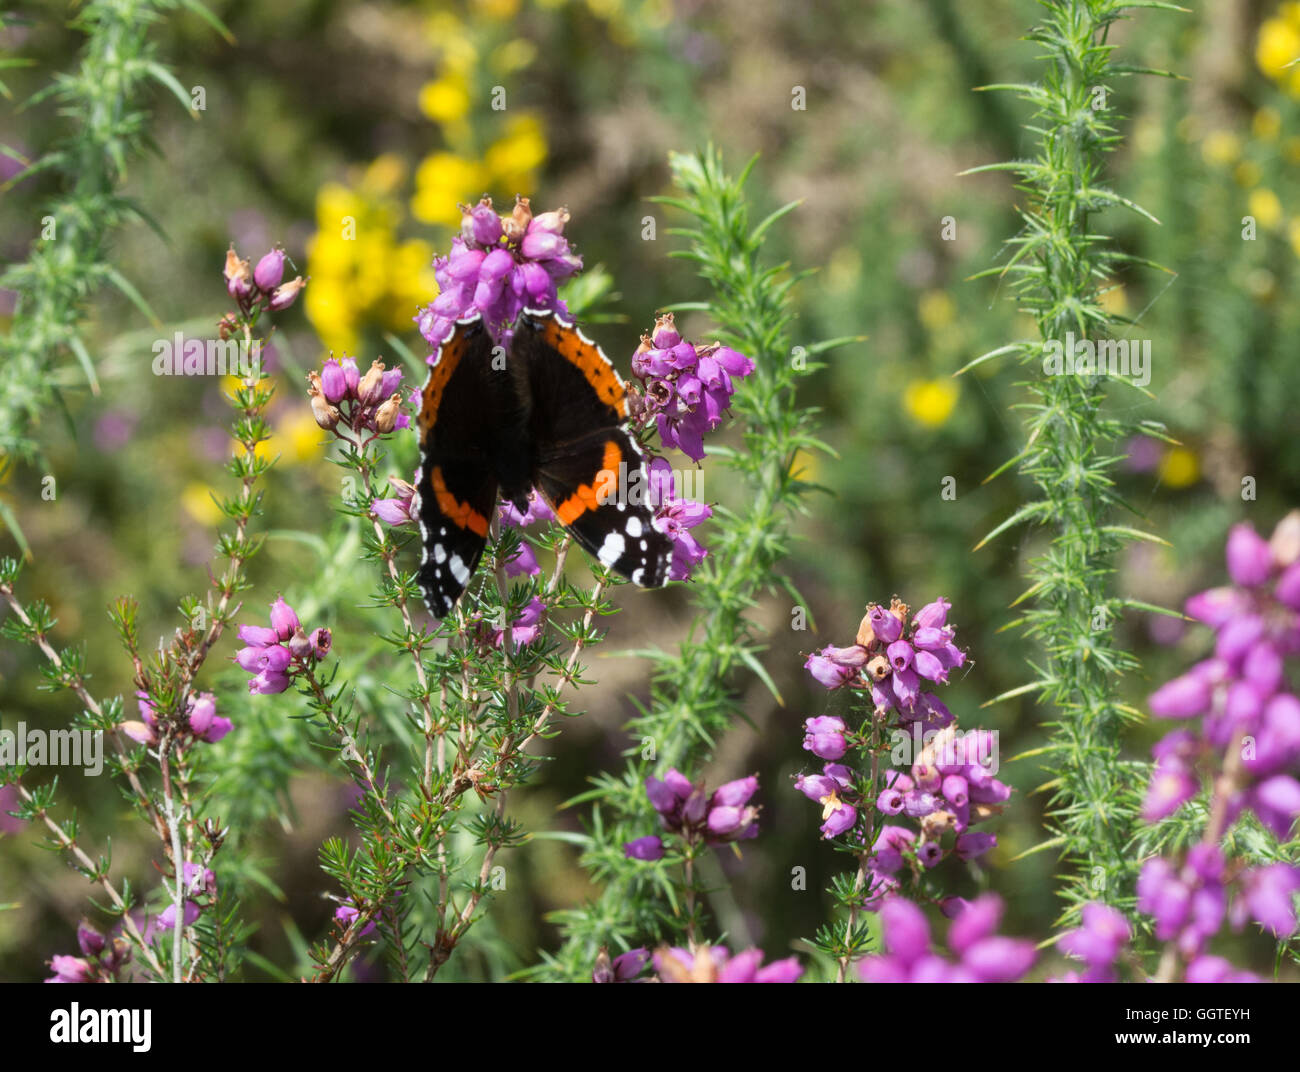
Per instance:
x=546, y=412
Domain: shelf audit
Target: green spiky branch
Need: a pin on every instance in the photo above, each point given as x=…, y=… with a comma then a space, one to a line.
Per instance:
x=1059, y=267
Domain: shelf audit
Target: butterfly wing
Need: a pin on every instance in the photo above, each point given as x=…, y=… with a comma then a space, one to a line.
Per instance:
x=586, y=464
x=457, y=488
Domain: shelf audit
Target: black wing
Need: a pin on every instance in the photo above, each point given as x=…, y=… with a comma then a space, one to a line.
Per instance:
x=586, y=464
x=457, y=489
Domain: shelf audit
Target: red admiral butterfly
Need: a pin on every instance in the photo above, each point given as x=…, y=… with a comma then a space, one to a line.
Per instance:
x=548, y=414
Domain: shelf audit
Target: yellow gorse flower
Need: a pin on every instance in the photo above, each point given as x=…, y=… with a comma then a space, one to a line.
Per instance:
x=930, y=402
x=1264, y=205
x=1278, y=47
x=1179, y=468
x=361, y=275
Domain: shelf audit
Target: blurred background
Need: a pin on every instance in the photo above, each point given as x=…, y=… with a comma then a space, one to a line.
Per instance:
x=325, y=109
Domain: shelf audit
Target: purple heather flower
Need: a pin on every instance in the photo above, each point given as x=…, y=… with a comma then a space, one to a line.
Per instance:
x=1207, y=969
x=1100, y=939
x=396, y=511
x=269, y=270
x=838, y=815
x=90, y=940
x=685, y=388
x=834, y=667
x=1250, y=561
x=1268, y=895
x=887, y=626
x=999, y=960
x=662, y=798
x=622, y=969
x=537, y=510
x=523, y=563
x=198, y=879
x=824, y=737
x=1173, y=784
x=930, y=853
x=526, y=628
x=735, y=793
x=69, y=969
x=346, y=914
x=1287, y=591
x=167, y=917
x=268, y=683
x=974, y=844
x=1215, y=606
x=1183, y=697
x=889, y=848
x=283, y=619
x=650, y=847
x=973, y=921
x=675, y=518
x=333, y=382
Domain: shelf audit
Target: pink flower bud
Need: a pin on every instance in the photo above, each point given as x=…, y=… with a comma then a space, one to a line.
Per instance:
x=283, y=619
x=269, y=270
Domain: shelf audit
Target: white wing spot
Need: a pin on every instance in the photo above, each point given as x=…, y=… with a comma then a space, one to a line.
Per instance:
x=634, y=527
x=458, y=570
x=612, y=549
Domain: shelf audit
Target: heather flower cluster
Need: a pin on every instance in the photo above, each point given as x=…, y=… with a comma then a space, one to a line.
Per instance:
x=686, y=388
x=983, y=955
x=950, y=785
x=692, y=813
x=102, y=959
x=275, y=655
x=1191, y=903
x=715, y=964
x=1249, y=717
x=366, y=405
x=893, y=655
x=499, y=265
x=201, y=721
x=260, y=286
